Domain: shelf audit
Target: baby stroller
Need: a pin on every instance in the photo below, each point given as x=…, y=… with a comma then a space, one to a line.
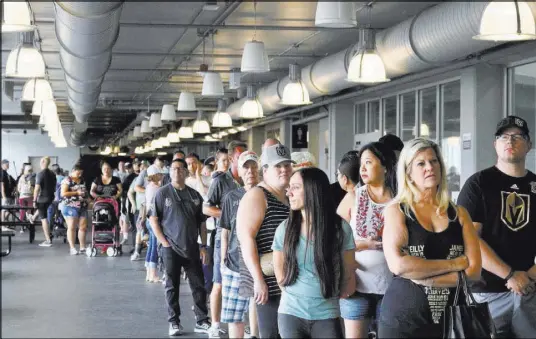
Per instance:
x=105, y=228
x=58, y=225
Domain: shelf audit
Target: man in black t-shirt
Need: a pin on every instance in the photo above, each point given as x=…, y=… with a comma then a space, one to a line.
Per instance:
x=8, y=185
x=235, y=306
x=177, y=220
x=45, y=188
x=502, y=203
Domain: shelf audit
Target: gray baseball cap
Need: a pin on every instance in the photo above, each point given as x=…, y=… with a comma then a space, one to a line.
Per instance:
x=276, y=154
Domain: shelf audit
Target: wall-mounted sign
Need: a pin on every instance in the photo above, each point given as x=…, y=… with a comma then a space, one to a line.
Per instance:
x=299, y=136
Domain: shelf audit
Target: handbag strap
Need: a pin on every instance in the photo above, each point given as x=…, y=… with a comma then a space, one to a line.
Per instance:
x=458, y=287
x=468, y=295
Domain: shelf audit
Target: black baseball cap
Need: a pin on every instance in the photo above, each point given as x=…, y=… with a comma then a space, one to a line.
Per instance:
x=512, y=121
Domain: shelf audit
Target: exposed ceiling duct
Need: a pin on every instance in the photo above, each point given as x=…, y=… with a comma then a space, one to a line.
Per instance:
x=86, y=32
x=436, y=36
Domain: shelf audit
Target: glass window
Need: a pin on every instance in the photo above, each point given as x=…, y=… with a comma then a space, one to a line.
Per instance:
x=373, y=116
x=524, y=103
x=451, y=143
x=428, y=106
x=360, y=118
x=408, y=116
x=389, y=115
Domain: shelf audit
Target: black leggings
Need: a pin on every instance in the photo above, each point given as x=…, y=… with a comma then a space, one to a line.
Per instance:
x=294, y=327
x=267, y=318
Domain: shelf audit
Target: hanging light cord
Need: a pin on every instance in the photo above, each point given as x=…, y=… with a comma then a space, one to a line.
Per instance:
x=213, y=51
x=518, y=17
x=255, y=19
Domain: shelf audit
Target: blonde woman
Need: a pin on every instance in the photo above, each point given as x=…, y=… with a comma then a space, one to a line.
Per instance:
x=427, y=240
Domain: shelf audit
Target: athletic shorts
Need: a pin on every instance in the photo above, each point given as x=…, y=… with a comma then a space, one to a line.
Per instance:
x=234, y=306
x=42, y=207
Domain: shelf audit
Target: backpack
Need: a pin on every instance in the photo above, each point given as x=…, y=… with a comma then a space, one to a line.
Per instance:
x=11, y=188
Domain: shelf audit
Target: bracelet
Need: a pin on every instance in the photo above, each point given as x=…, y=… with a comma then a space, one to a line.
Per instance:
x=511, y=274
x=203, y=246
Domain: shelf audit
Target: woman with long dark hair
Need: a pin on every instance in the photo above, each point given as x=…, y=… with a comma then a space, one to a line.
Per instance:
x=313, y=260
x=377, y=176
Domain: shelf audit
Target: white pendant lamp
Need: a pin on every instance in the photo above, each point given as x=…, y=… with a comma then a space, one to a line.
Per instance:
x=145, y=128
x=254, y=58
x=154, y=121
x=40, y=108
x=507, y=21
x=25, y=61
x=136, y=133
x=16, y=17
x=295, y=92
x=200, y=125
x=241, y=128
x=164, y=142
x=173, y=137
x=251, y=109
x=367, y=67
x=222, y=118
x=335, y=14
x=212, y=85
x=37, y=89
x=168, y=113
x=186, y=102
x=185, y=132
x=234, y=78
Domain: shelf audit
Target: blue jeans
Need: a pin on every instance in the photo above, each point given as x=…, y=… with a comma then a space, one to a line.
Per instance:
x=151, y=259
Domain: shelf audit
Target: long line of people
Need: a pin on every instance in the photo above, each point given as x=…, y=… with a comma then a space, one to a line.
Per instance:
x=290, y=258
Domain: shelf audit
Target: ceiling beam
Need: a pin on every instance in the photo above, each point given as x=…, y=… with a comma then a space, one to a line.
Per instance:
x=194, y=55
x=19, y=126
x=174, y=70
x=223, y=26
x=15, y=117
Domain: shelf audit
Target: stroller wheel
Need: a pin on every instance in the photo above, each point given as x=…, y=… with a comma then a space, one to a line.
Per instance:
x=89, y=252
x=110, y=251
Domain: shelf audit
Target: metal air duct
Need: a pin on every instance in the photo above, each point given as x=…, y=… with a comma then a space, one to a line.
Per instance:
x=436, y=36
x=86, y=32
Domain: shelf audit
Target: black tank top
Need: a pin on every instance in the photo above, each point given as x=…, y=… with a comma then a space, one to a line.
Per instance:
x=276, y=213
x=412, y=310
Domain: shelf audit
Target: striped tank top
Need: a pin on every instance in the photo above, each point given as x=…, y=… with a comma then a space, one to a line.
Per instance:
x=276, y=213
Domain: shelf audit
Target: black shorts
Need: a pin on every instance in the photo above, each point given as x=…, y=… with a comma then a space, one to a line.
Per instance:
x=42, y=207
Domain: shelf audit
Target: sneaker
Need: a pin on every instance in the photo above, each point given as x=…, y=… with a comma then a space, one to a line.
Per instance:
x=82, y=250
x=247, y=332
x=204, y=327
x=135, y=256
x=175, y=329
x=73, y=251
x=46, y=243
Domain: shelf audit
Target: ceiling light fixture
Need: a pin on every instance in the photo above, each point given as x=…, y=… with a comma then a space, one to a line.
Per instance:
x=295, y=92
x=25, y=61
x=145, y=128
x=37, y=90
x=335, y=14
x=168, y=113
x=136, y=133
x=241, y=128
x=186, y=102
x=366, y=66
x=232, y=131
x=200, y=125
x=254, y=58
x=185, y=132
x=507, y=21
x=252, y=108
x=222, y=119
x=212, y=84
x=16, y=17
x=154, y=121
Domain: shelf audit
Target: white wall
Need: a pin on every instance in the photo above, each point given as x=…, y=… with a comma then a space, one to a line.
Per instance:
x=17, y=147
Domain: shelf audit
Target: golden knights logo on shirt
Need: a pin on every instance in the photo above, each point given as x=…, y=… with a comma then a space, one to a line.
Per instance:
x=515, y=210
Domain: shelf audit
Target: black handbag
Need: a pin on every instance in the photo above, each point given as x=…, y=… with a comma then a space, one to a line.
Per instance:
x=467, y=319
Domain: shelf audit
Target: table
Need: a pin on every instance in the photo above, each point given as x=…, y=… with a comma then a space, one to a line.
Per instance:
x=13, y=212
x=7, y=234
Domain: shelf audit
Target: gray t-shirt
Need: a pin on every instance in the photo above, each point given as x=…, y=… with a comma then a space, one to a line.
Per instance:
x=229, y=208
x=222, y=183
x=180, y=214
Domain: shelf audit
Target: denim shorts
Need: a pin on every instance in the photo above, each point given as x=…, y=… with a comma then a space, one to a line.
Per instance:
x=361, y=306
x=73, y=212
x=216, y=271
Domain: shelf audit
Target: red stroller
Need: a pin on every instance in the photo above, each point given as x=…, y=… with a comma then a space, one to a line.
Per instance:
x=105, y=229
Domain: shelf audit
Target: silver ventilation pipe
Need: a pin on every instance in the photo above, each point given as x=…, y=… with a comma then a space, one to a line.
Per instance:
x=436, y=36
x=86, y=32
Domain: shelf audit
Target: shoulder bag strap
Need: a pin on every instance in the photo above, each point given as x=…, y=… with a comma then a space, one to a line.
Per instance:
x=458, y=287
x=468, y=295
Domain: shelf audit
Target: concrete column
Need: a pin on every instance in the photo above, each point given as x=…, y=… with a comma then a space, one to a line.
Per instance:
x=341, y=133
x=481, y=104
x=255, y=139
x=285, y=132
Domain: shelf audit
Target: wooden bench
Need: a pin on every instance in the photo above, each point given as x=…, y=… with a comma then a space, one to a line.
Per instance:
x=8, y=234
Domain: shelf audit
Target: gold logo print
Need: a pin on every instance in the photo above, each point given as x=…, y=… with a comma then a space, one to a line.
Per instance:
x=515, y=209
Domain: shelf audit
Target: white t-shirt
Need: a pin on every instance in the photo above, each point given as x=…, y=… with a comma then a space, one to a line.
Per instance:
x=373, y=274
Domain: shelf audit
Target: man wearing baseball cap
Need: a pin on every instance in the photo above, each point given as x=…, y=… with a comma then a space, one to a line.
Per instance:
x=260, y=212
x=234, y=306
x=502, y=203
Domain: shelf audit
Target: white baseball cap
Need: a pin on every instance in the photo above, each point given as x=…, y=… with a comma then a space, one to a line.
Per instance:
x=247, y=156
x=276, y=154
x=152, y=170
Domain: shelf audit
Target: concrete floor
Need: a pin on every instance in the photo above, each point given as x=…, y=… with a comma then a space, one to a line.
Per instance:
x=48, y=294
